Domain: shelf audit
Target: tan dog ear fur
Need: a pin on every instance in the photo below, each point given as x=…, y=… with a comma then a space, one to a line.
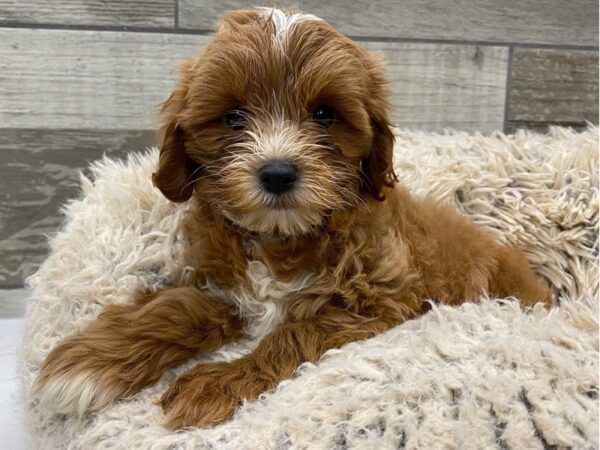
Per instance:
x=175, y=169
x=377, y=168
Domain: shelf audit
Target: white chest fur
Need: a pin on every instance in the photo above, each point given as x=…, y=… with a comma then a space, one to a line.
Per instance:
x=262, y=305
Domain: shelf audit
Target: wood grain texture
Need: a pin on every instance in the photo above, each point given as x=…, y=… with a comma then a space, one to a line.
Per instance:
x=108, y=80
x=573, y=22
x=553, y=87
x=39, y=171
x=437, y=86
x=115, y=13
x=87, y=79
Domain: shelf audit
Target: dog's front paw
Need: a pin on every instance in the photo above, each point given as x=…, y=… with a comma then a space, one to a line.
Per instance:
x=73, y=379
x=208, y=394
x=91, y=369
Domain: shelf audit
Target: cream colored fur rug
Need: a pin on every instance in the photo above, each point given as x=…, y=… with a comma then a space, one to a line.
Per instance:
x=475, y=377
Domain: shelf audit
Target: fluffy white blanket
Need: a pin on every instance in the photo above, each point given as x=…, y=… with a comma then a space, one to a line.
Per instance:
x=474, y=377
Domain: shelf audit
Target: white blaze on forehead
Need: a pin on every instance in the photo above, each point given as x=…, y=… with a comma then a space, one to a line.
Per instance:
x=284, y=23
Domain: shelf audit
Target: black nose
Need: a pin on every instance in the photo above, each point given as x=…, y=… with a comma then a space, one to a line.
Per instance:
x=278, y=177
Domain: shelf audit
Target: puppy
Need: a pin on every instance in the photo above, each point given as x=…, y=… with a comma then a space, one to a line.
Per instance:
x=300, y=236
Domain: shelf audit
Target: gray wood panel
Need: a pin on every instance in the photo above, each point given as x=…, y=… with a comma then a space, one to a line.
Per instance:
x=438, y=86
x=563, y=22
x=553, y=87
x=87, y=79
x=39, y=171
x=108, y=80
x=137, y=13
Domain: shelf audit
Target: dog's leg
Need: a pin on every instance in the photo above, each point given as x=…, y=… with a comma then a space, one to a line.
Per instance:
x=128, y=347
x=209, y=393
x=514, y=277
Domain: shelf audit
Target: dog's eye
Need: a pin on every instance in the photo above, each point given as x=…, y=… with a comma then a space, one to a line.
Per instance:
x=234, y=119
x=324, y=115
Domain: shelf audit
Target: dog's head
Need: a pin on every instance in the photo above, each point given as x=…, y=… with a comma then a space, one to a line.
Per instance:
x=278, y=122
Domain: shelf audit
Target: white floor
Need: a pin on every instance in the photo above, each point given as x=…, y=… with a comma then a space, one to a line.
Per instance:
x=13, y=434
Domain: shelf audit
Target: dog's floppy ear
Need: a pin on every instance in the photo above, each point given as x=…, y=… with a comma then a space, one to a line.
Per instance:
x=377, y=167
x=175, y=169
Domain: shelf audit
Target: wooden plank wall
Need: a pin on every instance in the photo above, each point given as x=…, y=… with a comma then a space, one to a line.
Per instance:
x=83, y=78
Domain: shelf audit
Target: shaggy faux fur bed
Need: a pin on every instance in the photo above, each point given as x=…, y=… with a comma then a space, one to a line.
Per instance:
x=474, y=377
